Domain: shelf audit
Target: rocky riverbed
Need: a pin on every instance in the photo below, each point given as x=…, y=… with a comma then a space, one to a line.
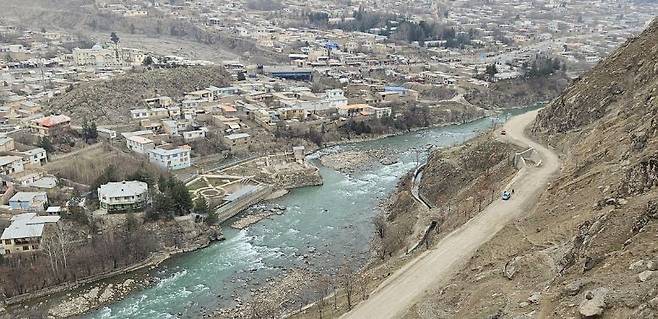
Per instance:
x=348, y=162
x=94, y=297
x=273, y=299
x=255, y=214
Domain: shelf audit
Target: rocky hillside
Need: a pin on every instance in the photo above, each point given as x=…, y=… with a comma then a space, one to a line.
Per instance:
x=588, y=250
x=518, y=92
x=110, y=101
x=457, y=183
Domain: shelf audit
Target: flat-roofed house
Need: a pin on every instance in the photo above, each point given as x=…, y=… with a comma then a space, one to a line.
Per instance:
x=237, y=140
x=36, y=156
x=200, y=95
x=11, y=164
x=352, y=109
x=6, y=144
x=171, y=158
x=123, y=196
x=25, y=232
x=139, y=144
x=35, y=201
x=195, y=134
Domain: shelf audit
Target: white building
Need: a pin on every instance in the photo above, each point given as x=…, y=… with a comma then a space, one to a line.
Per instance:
x=112, y=56
x=195, y=134
x=11, y=164
x=123, y=196
x=36, y=156
x=139, y=144
x=171, y=159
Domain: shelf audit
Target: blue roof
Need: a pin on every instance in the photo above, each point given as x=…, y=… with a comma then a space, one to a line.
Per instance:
x=331, y=45
x=394, y=88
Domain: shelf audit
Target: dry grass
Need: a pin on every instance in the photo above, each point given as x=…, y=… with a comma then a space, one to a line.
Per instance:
x=86, y=166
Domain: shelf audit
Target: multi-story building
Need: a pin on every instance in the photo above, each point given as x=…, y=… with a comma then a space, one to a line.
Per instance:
x=51, y=125
x=36, y=156
x=111, y=56
x=171, y=158
x=24, y=233
x=11, y=164
x=237, y=140
x=123, y=196
x=139, y=144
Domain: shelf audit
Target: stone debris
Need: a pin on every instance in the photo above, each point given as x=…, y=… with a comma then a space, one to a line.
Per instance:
x=534, y=298
x=92, y=298
x=645, y=275
x=573, y=288
x=594, y=303
x=349, y=162
x=511, y=267
x=256, y=213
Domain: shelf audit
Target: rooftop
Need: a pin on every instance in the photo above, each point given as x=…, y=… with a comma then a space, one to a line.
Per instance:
x=27, y=225
x=139, y=139
x=237, y=136
x=28, y=196
x=53, y=120
x=165, y=151
x=125, y=188
x=4, y=160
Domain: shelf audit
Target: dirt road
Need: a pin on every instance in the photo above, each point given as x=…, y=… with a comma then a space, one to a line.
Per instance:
x=401, y=290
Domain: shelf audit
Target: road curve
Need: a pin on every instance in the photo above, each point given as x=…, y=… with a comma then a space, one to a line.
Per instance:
x=430, y=270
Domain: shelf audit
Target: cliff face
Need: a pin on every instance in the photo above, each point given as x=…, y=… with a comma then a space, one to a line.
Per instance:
x=588, y=249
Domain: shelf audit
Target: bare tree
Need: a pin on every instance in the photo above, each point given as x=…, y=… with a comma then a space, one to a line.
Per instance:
x=362, y=281
x=380, y=224
x=322, y=289
x=346, y=280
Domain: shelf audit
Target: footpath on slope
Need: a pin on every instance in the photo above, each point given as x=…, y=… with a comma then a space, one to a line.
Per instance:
x=431, y=269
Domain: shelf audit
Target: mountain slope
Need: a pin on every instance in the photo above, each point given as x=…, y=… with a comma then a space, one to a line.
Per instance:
x=589, y=249
x=110, y=101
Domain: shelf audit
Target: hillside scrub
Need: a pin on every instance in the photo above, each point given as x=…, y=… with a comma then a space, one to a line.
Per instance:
x=457, y=182
x=110, y=101
x=518, y=92
x=588, y=249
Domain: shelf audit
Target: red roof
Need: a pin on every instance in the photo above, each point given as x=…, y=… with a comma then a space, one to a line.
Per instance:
x=53, y=120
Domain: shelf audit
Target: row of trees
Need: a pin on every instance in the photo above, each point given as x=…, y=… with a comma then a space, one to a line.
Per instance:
x=330, y=290
x=66, y=257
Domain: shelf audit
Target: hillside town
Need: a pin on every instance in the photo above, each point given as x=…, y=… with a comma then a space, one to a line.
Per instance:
x=132, y=152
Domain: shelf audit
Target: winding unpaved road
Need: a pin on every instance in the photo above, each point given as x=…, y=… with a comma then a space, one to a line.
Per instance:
x=430, y=270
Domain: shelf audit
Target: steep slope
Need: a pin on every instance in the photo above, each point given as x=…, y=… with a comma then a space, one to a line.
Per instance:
x=110, y=101
x=589, y=249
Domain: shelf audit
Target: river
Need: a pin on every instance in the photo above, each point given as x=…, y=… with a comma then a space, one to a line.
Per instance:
x=331, y=221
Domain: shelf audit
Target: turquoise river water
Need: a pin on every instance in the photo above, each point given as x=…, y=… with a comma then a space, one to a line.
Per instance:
x=331, y=221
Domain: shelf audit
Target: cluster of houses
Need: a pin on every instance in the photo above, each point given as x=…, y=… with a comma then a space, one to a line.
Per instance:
x=32, y=216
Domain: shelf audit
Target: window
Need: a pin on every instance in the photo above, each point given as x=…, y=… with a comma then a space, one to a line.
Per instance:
x=26, y=247
x=7, y=241
x=7, y=251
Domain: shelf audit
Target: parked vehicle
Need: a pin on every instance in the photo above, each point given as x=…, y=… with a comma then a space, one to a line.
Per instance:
x=503, y=132
x=506, y=195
